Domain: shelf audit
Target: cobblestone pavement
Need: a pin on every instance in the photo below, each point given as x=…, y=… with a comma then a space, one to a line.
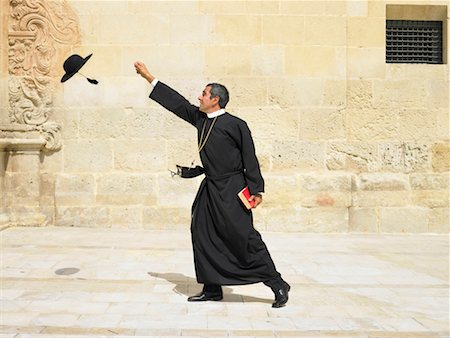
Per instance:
x=84, y=282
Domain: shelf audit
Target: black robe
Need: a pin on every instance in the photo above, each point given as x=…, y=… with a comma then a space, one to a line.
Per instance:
x=227, y=249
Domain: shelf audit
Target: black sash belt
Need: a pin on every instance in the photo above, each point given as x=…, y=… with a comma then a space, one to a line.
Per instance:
x=189, y=172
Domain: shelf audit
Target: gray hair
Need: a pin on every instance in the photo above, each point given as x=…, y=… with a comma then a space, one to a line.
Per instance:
x=218, y=90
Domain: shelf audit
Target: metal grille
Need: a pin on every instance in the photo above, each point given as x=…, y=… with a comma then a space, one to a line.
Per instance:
x=409, y=41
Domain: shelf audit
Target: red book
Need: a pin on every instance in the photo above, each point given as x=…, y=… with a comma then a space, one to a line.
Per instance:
x=244, y=196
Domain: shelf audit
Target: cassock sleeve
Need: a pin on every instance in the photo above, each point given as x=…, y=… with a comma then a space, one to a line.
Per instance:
x=252, y=172
x=175, y=102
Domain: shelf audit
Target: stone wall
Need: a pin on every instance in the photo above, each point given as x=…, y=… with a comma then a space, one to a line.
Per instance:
x=346, y=142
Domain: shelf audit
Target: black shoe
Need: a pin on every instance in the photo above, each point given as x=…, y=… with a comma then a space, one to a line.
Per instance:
x=204, y=296
x=281, y=296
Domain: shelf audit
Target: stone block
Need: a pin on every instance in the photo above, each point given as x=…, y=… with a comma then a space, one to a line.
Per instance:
x=267, y=60
x=176, y=129
x=320, y=61
x=322, y=124
x=325, y=31
x=222, y=7
x=51, y=162
x=271, y=123
x=429, y=181
x=441, y=157
x=417, y=157
x=103, y=123
x=129, y=217
x=245, y=92
x=324, y=220
x=228, y=61
x=357, y=8
x=437, y=93
x=140, y=155
x=431, y=198
x=366, y=63
x=386, y=198
x=443, y=124
x=308, y=220
x=380, y=182
x=181, y=152
x=296, y=91
x=334, y=93
x=117, y=29
x=366, y=31
x=164, y=218
x=80, y=93
x=110, y=56
x=281, y=190
x=392, y=156
x=236, y=29
x=283, y=219
x=74, y=189
x=82, y=216
x=372, y=124
x=47, y=187
x=313, y=8
x=363, y=220
x=192, y=29
x=353, y=156
x=399, y=93
x=300, y=155
x=87, y=156
x=407, y=219
x=22, y=188
x=163, y=7
x=283, y=30
x=439, y=220
x=177, y=191
x=127, y=189
x=23, y=162
x=417, y=124
x=359, y=94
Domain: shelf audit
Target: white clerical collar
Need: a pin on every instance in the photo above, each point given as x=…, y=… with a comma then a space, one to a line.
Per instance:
x=216, y=113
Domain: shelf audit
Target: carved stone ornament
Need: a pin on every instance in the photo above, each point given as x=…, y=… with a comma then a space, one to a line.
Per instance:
x=35, y=29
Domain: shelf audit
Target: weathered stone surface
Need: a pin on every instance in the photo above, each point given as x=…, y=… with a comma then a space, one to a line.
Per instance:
x=75, y=189
x=83, y=216
x=431, y=198
x=126, y=189
x=322, y=124
x=176, y=191
x=284, y=29
x=88, y=156
x=441, y=157
x=359, y=94
x=363, y=219
x=408, y=219
x=302, y=155
x=140, y=156
x=380, y=181
x=166, y=217
x=382, y=198
x=353, y=156
x=281, y=189
x=372, y=125
x=429, y=181
x=235, y=29
x=129, y=217
x=439, y=220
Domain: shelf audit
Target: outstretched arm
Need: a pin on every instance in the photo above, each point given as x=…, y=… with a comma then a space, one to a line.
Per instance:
x=142, y=70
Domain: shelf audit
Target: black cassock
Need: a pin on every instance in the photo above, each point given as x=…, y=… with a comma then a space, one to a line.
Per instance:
x=227, y=249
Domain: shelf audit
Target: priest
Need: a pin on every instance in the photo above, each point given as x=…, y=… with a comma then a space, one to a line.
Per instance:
x=228, y=250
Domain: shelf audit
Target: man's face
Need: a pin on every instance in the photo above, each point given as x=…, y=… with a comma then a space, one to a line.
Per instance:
x=208, y=104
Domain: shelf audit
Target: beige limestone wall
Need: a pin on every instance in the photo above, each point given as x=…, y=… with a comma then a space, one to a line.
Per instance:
x=346, y=142
x=3, y=99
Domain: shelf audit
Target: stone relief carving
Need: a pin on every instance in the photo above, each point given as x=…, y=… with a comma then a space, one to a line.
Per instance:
x=35, y=29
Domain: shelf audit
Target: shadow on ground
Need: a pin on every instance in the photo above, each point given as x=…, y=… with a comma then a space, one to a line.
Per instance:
x=184, y=283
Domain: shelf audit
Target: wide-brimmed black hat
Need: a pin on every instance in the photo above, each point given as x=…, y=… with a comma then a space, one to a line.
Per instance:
x=73, y=64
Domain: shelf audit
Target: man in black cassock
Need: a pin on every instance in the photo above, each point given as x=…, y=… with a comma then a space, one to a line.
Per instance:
x=227, y=249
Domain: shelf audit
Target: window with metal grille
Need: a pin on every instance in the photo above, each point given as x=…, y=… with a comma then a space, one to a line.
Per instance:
x=411, y=41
